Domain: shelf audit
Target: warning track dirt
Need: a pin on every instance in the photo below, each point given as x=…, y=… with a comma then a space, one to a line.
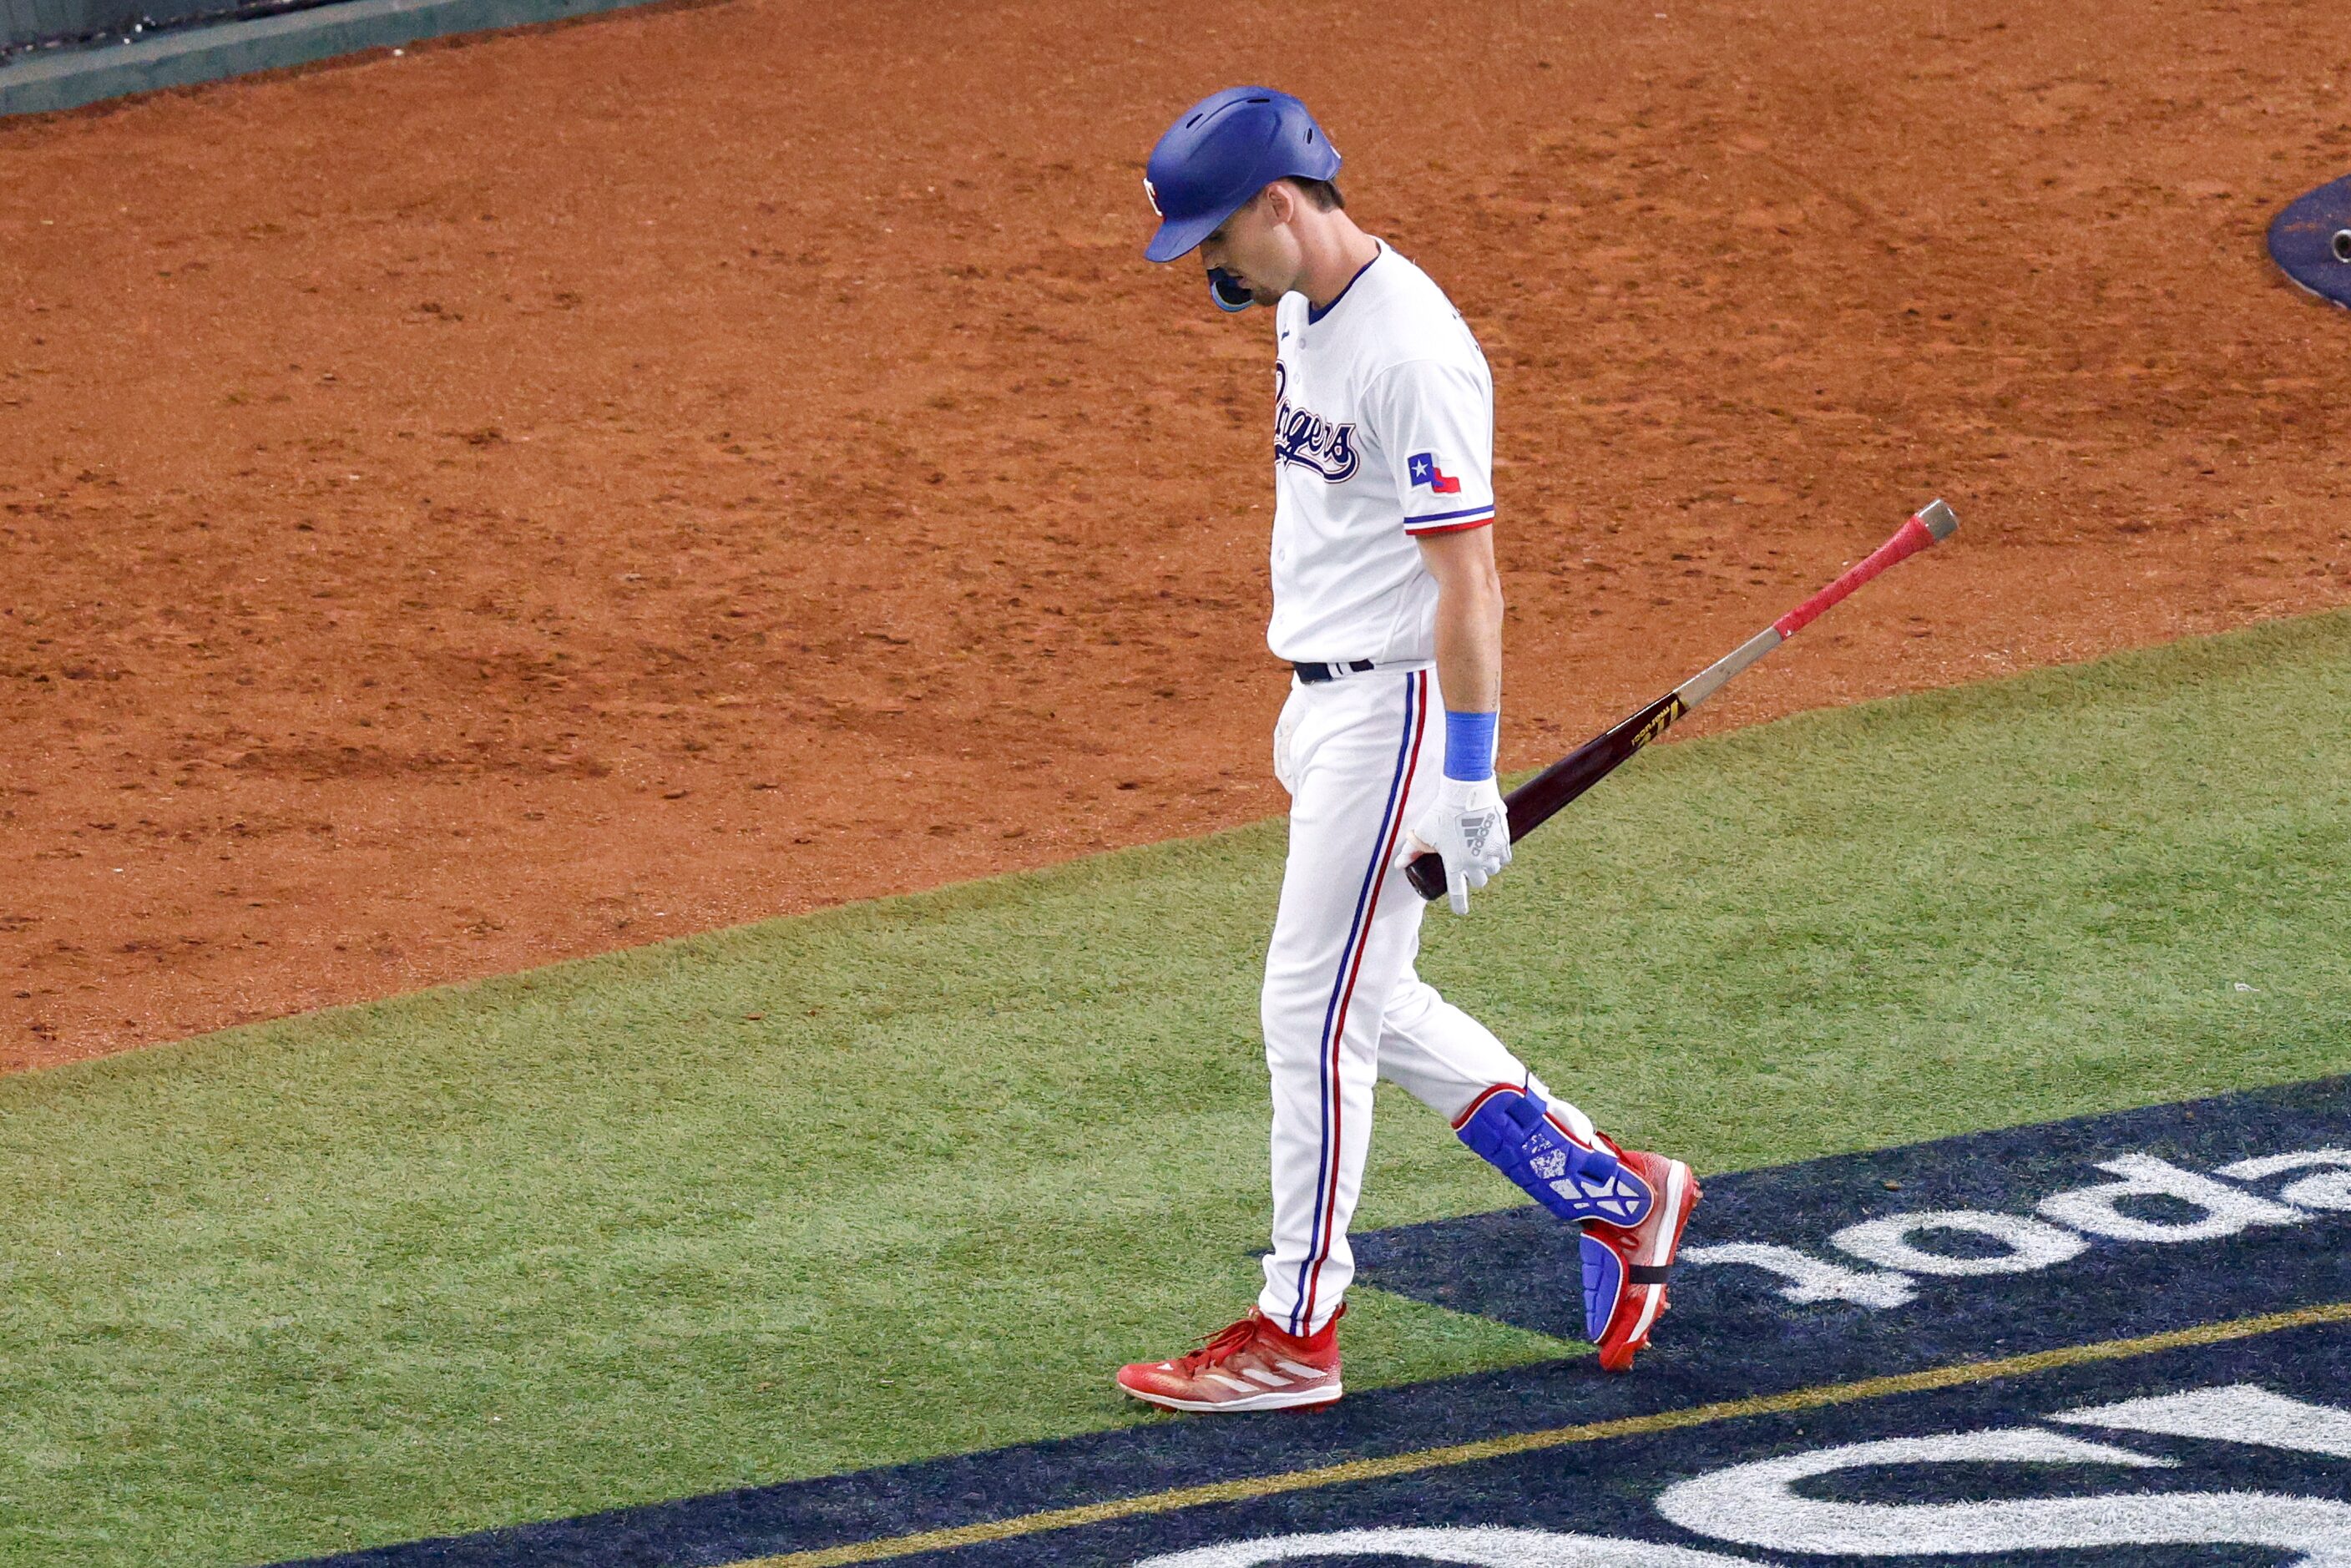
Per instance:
x=2125, y=1334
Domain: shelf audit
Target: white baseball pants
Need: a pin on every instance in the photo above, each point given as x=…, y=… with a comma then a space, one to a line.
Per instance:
x=1361, y=756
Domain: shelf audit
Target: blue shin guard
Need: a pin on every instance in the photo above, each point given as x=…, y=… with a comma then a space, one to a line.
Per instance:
x=1604, y=1282
x=1508, y=1129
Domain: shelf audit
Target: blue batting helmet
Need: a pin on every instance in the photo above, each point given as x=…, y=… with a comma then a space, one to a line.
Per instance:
x=1221, y=151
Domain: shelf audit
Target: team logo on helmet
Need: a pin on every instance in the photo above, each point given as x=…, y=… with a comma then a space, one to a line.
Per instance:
x=1152, y=193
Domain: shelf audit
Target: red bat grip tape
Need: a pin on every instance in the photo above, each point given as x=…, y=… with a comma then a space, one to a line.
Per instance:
x=1908, y=540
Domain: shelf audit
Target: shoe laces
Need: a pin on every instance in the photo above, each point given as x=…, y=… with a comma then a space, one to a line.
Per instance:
x=1224, y=1345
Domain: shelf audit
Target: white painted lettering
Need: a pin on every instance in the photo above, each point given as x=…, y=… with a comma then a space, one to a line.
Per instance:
x=2028, y=1244
x=2240, y=1413
x=1756, y=1505
x=1810, y=1279
x=2332, y=1190
x=2099, y=1209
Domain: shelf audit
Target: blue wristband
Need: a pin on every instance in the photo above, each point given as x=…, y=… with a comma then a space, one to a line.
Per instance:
x=1469, y=745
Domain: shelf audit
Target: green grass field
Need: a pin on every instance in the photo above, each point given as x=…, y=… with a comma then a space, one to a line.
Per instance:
x=589, y=1235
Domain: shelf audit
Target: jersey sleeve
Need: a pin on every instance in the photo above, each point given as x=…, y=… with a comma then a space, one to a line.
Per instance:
x=1435, y=422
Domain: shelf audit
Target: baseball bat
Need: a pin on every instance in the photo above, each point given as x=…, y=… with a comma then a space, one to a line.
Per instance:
x=1535, y=801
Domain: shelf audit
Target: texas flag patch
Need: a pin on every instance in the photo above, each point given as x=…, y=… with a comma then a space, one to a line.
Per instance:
x=1422, y=465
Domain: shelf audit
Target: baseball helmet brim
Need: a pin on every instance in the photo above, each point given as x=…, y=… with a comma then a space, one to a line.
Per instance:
x=1179, y=237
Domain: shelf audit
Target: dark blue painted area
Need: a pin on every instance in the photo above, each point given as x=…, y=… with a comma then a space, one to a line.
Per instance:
x=1730, y=1335
x=1611, y=1489
x=2302, y=241
x=1510, y=1265
x=731, y=1526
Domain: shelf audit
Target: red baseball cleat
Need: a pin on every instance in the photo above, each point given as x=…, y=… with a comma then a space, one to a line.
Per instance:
x=1251, y=1365
x=1625, y=1265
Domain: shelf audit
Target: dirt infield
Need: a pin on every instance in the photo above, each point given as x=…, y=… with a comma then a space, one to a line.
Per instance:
x=515, y=499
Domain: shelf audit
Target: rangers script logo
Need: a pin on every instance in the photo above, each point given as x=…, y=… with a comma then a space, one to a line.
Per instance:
x=1306, y=438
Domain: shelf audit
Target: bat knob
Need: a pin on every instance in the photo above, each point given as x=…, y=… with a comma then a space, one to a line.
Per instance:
x=1427, y=875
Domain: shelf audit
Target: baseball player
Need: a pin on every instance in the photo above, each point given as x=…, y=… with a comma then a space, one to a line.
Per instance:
x=1388, y=606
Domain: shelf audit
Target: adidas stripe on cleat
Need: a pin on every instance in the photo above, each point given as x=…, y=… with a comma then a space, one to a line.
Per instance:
x=1251, y=1365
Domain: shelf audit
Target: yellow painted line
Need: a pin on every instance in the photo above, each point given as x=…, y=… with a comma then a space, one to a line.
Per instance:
x=1251, y=1487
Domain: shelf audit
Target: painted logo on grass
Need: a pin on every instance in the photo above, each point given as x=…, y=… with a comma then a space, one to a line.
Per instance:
x=2070, y=1476
x=2123, y=1341
x=2106, y=1227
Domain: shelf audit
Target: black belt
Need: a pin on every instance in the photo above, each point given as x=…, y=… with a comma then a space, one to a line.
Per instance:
x=1315, y=674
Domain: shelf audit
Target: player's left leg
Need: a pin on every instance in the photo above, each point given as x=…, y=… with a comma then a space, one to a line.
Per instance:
x=1454, y=1065
x=1631, y=1206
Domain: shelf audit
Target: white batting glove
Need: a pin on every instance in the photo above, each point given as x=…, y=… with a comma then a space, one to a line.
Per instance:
x=1466, y=825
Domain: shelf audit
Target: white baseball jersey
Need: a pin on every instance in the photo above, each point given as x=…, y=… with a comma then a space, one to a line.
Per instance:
x=1384, y=430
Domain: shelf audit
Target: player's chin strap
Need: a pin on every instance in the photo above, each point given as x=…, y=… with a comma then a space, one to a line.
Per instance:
x=1231, y=295
x=1509, y=1128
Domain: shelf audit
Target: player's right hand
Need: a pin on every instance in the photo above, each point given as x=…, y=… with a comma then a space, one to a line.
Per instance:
x=1468, y=827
